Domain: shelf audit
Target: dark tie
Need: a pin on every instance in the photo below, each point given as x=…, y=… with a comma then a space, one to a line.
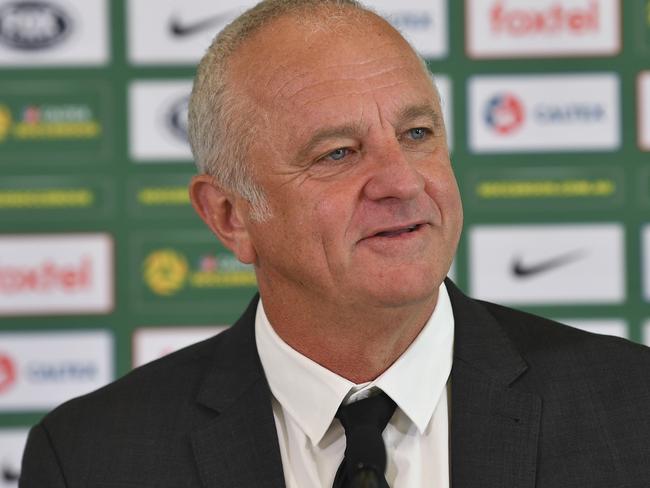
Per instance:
x=364, y=463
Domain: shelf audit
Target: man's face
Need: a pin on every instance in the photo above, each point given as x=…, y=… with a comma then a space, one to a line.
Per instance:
x=350, y=150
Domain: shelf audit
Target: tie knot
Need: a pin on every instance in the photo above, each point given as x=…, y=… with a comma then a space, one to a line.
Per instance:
x=372, y=412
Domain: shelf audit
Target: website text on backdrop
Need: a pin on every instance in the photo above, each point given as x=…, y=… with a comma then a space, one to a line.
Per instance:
x=321, y=147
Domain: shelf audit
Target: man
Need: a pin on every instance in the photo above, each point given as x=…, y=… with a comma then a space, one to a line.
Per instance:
x=319, y=136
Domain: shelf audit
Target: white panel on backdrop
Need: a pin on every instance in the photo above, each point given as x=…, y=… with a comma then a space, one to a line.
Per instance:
x=12, y=444
x=547, y=264
x=53, y=33
x=646, y=333
x=40, y=370
x=643, y=89
x=613, y=327
x=179, y=31
x=645, y=259
x=544, y=112
x=151, y=343
x=452, y=271
x=176, y=31
x=158, y=120
x=443, y=84
x=423, y=22
x=526, y=28
x=56, y=273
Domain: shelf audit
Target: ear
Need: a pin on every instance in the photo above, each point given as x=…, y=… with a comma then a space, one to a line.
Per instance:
x=224, y=213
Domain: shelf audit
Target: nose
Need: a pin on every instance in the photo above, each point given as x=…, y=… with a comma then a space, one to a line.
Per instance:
x=393, y=175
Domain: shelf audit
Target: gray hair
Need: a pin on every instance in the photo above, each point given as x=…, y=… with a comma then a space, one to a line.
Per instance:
x=219, y=132
x=219, y=137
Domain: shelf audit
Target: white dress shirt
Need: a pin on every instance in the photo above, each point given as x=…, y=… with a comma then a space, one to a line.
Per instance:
x=306, y=397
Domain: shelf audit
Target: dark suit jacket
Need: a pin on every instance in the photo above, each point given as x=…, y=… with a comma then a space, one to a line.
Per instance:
x=533, y=404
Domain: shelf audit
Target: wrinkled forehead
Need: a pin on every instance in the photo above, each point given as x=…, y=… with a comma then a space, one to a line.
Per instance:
x=292, y=57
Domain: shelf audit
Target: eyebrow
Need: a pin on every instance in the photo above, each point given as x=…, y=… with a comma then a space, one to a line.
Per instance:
x=340, y=131
x=425, y=110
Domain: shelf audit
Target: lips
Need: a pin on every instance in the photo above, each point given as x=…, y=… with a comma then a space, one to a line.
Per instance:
x=395, y=231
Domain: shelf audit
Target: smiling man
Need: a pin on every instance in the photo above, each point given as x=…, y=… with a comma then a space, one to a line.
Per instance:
x=362, y=213
x=323, y=162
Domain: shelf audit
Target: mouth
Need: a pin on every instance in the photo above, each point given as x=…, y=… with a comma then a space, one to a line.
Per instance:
x=399, y=231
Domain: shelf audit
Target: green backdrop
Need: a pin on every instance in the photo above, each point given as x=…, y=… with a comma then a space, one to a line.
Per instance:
x=85, y=181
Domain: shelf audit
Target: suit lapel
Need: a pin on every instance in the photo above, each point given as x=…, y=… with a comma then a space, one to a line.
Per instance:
x=239, y=447
x=494, y=426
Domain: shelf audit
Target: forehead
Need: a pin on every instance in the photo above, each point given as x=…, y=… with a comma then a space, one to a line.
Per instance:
x=296, y=66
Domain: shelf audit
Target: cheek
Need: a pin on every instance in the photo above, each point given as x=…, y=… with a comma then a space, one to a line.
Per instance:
x=448, y=188
x=442, y=189
x=323, y=213
x=441, y=181
x=330, y=216
x=451, y=208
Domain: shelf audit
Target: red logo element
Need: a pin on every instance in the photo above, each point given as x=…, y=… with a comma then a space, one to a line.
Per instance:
x=504, y=113
x=555, y=19
x=32, y=114
x=7, y=372
x=46, y=277
x=209, y=263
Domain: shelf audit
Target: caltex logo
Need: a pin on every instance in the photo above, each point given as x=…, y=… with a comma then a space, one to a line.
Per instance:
x=504, y=113
x=7, y=372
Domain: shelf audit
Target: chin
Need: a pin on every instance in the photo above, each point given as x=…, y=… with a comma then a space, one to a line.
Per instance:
x=407, y=295
x=398, y=285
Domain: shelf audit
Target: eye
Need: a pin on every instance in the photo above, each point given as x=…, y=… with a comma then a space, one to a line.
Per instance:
x=338, y=154
x=418, y=133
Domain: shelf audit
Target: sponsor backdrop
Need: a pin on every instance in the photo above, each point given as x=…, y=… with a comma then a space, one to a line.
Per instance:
x=104, y=266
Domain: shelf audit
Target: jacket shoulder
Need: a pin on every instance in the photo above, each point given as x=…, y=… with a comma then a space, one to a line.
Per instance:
x=595, y=397
x=567, y=362
x=130, y=428
x=162, y=381
x=535, y=336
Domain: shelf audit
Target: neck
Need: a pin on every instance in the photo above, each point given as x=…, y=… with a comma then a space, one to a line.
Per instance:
x=358, y=344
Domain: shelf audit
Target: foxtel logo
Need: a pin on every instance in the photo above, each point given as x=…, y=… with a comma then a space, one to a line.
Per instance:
x=554, y=19
x=557, y=28
x=56, y=273
x=47, y=276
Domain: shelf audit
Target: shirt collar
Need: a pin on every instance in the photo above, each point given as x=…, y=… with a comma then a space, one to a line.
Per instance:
x=311, y=394
x=416, y=380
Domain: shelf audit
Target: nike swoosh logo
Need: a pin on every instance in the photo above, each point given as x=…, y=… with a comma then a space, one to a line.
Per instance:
x=9, y=474
x=181, y=29
x=521, y=270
